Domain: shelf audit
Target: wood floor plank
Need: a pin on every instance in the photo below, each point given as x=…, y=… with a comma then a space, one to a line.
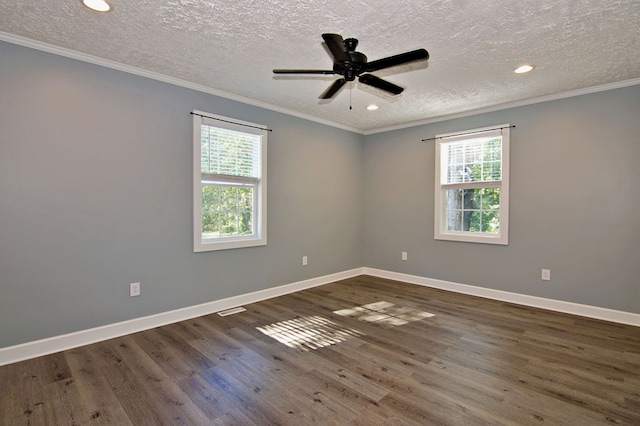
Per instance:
x=212, y=401
x=54, y=368
x=359, y=351
x=174, y=355
x=137, y=377
x=22, y=398
x=262, y=375
x=498, y=394
x=99, y=404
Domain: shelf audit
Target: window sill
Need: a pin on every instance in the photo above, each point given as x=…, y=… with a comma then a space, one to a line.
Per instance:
x=228, y=244
x=473, y=238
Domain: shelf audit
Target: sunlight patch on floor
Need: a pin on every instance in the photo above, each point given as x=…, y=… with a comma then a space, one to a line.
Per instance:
x=384, y=312
x=307, y=333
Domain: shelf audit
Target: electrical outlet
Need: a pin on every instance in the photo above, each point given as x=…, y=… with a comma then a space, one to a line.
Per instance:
x=134, y=289
x=546, y=275
x=404, y=255
x=305, y=261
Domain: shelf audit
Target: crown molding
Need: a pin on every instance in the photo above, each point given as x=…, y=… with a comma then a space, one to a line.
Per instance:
x=509, y=105
x=68, y=53
x=95, y=60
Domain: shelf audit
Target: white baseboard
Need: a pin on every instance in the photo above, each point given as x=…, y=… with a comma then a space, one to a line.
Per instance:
x=520, y=299
x=63, y=342
x=11, y=354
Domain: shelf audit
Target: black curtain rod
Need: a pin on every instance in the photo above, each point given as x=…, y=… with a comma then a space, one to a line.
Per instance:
x=468, y=133
x=232, y=122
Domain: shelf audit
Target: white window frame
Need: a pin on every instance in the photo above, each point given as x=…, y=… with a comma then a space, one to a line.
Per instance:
x=440, y=215
x=259, y=236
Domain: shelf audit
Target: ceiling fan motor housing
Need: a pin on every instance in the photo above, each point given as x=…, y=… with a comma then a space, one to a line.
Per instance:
x=353, y=68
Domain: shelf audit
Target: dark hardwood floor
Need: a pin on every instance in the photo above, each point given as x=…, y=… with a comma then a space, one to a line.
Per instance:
x=363, y=351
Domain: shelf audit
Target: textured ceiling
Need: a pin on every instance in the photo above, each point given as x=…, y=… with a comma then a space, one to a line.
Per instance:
x=232, y=46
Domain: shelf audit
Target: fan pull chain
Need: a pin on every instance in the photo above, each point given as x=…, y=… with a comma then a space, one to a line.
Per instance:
x=350, y=90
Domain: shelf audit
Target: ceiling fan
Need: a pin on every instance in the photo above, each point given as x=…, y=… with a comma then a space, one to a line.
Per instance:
x=351, y=64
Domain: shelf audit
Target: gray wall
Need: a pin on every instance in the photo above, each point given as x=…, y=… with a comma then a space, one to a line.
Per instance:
x=575, y=206
x=95, y=193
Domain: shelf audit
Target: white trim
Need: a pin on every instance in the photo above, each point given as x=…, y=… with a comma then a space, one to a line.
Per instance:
x=589, y=311
x=68, y=53
x=11, y=354
x=440, y=231
x=259, y=186
x=508, y=105
x=55, y=344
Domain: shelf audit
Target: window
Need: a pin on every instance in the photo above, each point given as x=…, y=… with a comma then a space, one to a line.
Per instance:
x=472, y=186
x=229, y=183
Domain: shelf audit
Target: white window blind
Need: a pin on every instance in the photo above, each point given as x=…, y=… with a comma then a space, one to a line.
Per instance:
x=482, y=155
x=229, y=153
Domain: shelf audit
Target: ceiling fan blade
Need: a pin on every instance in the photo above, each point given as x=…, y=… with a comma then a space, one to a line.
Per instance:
x=285, y=71
x=335, y=43
x=333, y=89
x=379, y=83
x=392, y=61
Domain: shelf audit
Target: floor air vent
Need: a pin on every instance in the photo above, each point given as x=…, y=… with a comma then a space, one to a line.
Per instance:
x=231, y=311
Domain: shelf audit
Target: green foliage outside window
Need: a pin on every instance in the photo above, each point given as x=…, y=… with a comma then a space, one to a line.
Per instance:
x=474, y=210
x=226, y=211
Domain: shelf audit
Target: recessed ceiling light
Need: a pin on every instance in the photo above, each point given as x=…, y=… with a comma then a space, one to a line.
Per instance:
x=523, y=68
x=372, y=107
x=97, y=5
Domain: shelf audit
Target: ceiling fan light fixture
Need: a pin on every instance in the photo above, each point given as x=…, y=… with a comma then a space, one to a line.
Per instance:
x=523, y=69
x=372, y=107
x=97, y=5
